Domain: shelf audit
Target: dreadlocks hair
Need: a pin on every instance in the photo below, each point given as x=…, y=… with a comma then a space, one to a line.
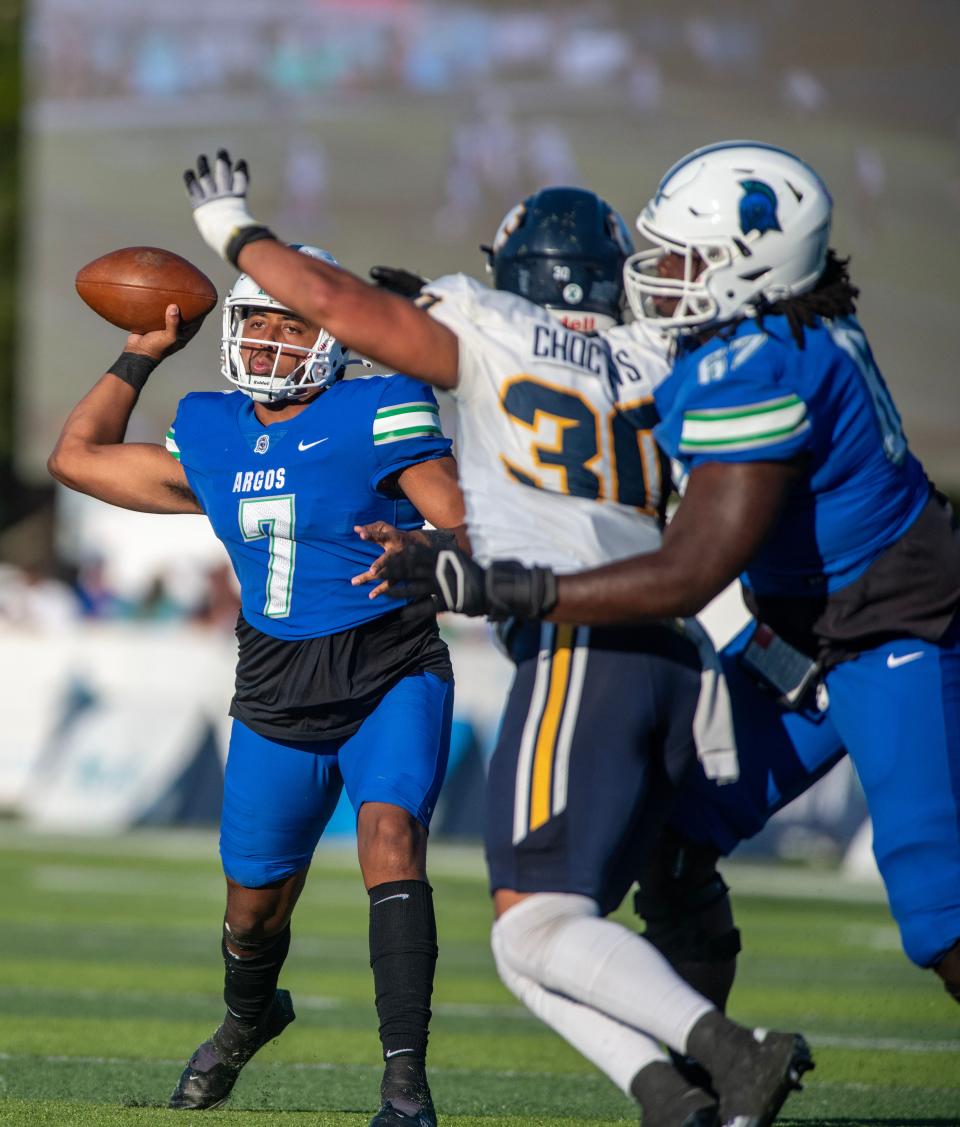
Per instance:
x=834, y=295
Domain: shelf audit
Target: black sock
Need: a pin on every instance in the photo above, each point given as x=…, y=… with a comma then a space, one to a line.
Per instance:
x=250, y=979
x=403, y=955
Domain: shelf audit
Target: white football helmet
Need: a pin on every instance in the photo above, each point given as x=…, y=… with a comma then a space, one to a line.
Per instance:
x=757, y=216
x=322, y=364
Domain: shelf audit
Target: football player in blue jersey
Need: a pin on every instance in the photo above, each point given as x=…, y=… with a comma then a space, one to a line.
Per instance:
x=333, y=691
x=548, y=429
x=799, y=479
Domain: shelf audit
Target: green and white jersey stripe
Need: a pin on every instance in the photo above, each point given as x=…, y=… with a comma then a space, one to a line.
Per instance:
x=406, y=420
x=748, y=427
x=172, y=446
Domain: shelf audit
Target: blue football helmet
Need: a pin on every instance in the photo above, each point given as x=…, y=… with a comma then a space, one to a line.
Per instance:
x=564, y=249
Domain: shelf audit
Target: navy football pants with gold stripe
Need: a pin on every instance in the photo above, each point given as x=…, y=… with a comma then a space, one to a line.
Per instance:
x=597, y=732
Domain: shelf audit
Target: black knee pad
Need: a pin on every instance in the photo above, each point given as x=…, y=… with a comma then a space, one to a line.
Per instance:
x=251, y=944
x=250, y=979
x=684, y=903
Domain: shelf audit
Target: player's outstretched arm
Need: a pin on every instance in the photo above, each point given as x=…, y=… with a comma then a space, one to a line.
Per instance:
x=368, y=319
x=727, y=512
x=90, y=455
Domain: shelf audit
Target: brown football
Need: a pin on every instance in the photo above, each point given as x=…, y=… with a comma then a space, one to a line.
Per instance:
x=132, y=287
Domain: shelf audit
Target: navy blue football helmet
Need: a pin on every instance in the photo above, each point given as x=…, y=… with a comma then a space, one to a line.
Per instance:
x=564, y=248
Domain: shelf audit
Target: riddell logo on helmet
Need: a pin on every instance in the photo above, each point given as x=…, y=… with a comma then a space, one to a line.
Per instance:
x=580, y=322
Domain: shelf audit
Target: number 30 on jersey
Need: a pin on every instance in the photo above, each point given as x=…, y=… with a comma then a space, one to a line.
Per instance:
x=582, y=452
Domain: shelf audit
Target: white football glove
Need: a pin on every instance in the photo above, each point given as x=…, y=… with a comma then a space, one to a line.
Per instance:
x=219, y=202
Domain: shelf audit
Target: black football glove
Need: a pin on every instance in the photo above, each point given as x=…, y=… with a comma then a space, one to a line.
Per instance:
x=397, y=280
x=505, y=589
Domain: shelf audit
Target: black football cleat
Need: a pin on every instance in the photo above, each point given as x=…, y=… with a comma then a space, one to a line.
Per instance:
x=693, y=1072
x=213, y=1069
x=666, y=1099
x=753, y=1092
x=398, y=1112
x=405, y=1099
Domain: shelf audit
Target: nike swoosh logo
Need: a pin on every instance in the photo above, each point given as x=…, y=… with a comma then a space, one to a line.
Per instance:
x=396, y=896
x=396, y=1052
x=893, y=661
x=306, y=445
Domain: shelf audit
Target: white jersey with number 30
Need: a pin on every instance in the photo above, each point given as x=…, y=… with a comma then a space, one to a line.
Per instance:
x=557, y=459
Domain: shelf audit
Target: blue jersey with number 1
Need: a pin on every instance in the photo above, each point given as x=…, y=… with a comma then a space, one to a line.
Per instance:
x=755, y=396
x=285, y=498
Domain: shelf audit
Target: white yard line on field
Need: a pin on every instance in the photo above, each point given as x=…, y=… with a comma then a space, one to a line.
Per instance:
x=818, y=1040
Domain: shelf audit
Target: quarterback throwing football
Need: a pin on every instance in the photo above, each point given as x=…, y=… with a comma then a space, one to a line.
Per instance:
x=333, y=691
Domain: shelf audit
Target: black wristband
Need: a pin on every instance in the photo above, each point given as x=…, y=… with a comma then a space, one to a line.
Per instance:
x=133, y=368
x=513, y=590
x=545, y=579
x=242, y=237
x=440, y=538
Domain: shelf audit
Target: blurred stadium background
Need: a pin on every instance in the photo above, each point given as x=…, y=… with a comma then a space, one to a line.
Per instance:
x=390, y=131
x=399, y=131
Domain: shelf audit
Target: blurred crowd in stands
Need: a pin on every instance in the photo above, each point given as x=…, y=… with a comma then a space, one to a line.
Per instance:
x=621, y=49
x=73, y=560
x=98, y=56
x=104, y=48
x=54, y=597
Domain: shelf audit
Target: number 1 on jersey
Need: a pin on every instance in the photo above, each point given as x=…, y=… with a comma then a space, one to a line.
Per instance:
x=273, y=518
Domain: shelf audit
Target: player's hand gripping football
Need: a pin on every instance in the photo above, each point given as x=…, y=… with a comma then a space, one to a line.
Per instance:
x=505, y=589
x=160, y=343
x=219, y=202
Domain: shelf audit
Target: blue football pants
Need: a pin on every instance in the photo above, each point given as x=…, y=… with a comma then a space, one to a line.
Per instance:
x=896, y=710
x=278, y=795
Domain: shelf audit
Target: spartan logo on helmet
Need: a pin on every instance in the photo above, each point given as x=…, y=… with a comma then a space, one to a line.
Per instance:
x=758, y=208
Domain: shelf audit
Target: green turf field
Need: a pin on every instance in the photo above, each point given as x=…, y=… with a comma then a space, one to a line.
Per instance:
x=110, y=974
